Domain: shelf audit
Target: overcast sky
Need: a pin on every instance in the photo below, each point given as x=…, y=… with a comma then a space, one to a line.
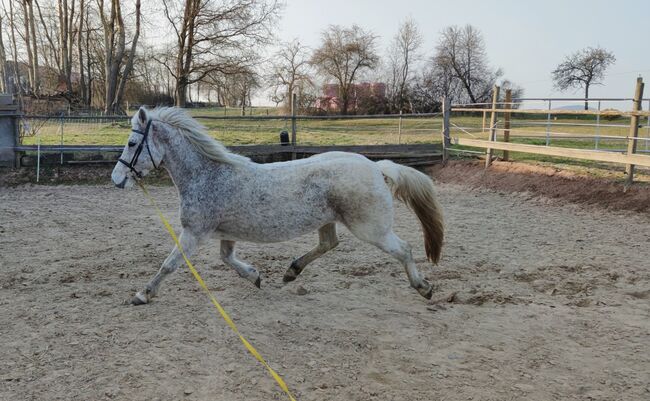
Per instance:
x=527, y=39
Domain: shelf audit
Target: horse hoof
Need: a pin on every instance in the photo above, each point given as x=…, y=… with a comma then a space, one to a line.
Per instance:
x=288, y=278
x=426, y=292
x=139, y=299
x=258, y=282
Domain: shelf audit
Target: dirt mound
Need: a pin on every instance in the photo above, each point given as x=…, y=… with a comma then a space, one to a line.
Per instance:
x=547, y=182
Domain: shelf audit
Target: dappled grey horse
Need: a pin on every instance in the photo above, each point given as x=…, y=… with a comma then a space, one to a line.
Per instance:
x=228, y=197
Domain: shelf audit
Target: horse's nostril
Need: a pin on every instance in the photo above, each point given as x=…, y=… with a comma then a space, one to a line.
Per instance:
x=121, y=184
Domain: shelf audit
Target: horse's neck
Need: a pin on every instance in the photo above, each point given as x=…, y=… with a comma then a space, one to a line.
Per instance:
x=184, y=164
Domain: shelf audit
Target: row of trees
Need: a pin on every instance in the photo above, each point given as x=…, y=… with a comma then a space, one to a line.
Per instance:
x=100, y=53
x=459, y=68
x=56, y=48
x=91, y=51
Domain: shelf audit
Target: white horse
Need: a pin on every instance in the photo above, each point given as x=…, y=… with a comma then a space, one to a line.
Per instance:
x=228, y=197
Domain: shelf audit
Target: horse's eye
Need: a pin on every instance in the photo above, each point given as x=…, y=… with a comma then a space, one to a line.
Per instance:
x=132, y=144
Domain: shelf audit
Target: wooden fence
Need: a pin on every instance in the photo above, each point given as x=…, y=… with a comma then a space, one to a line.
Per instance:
x=629, y=158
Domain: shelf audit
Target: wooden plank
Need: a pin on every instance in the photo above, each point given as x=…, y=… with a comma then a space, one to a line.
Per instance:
x=493, y=123
x=583, y=154
x=506, y=122
x=446, y=139
x=634, y=131
x=559, y=111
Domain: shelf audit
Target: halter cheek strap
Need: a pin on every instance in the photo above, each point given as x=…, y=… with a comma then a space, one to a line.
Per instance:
x=134, y=160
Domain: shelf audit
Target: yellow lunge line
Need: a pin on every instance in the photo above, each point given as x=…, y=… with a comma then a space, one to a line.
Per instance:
x=216, y=303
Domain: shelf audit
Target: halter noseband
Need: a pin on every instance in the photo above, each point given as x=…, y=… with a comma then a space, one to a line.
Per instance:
x=138, y=150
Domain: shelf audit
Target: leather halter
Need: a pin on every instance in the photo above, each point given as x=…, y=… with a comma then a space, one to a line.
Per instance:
x=138, y=150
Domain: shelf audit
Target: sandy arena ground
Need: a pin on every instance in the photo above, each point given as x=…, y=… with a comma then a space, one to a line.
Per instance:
x=535, y=300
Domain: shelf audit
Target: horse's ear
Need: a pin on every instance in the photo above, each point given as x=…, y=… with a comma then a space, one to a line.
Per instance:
x=142, y=116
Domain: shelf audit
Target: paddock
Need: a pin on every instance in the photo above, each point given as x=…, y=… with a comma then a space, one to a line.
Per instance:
x=534, y=299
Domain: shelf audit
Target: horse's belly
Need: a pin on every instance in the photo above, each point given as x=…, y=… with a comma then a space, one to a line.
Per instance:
x=273, y=226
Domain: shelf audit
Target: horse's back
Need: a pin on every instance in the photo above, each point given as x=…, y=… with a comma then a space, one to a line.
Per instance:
x=319, y=159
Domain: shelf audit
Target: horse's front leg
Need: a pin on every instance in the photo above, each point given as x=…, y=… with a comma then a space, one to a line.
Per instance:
x=189, y=242
x=243, y=269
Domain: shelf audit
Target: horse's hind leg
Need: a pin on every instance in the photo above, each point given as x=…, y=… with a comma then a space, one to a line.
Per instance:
x=327, y=240
x=243, y=269
x=189, y=242
x=397, y=248
x=401, y=251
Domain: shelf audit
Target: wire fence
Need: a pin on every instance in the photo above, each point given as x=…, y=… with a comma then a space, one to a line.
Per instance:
x=599, y=130
x=243, y=130
x=568, y=132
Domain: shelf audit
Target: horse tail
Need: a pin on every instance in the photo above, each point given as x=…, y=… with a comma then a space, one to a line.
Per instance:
x=415, y=189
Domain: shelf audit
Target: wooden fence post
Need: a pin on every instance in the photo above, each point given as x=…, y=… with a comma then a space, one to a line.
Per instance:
x=293, y=118
x=506, y=122
x=446, y=139
x=493, y=123
x=634, y=131
x=399, y=129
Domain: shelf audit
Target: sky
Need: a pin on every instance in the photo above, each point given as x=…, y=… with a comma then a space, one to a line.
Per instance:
x=527, y=39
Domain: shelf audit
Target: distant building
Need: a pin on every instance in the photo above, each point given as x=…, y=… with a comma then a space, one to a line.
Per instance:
x=359, y=93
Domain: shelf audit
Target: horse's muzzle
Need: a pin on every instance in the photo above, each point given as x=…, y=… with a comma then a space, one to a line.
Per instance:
x=122, y=184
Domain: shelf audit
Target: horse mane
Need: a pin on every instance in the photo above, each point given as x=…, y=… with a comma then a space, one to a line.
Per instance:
x=197, y=134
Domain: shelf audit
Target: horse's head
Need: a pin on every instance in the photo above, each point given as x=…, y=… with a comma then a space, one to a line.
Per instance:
x=140, y=155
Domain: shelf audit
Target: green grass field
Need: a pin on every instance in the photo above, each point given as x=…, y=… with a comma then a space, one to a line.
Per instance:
x=247, y=132
x=528, y=129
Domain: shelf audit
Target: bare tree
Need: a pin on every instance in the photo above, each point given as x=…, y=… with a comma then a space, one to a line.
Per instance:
x=117, y=63
x=216, y=37
x=583, y=68
x=31, y=44
x=80, y=53
x=58, y=27
x=234, y=89
x=343, y=54
x=94, y=62
x=66, y=32
x=16, y=87
x=436, y=82
x=290, y=72
x=461, y=51
x=32, y=31
x=402, y=54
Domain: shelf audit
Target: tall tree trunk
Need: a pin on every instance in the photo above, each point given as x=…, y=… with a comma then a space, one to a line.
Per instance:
x=115, y=43
x=3, y=62
x=116, y=106
x=345, y=100
x=71, y=34
x=66, y=39
x=89, y=84
x=28, y=45
x=54, y=46
x=32, y=32
x=185, y=50
x=109, y=50
x=82, y=79
x=181, y=92
x=17, y=87
x=114, y=53
x=586, y=96
x=66, y=35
